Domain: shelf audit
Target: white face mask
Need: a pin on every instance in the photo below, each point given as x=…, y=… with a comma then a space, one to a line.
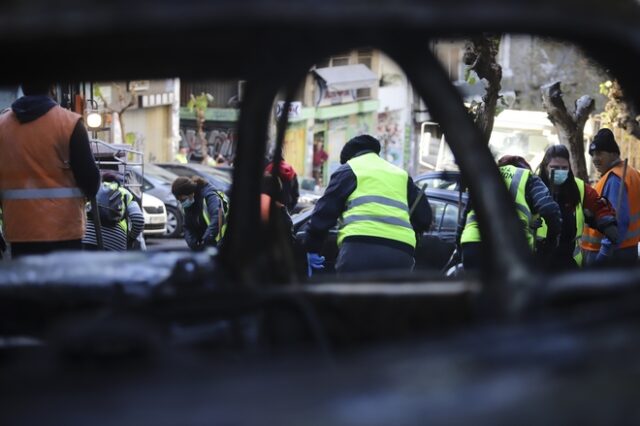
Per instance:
x=187, y=203
x=560, y=176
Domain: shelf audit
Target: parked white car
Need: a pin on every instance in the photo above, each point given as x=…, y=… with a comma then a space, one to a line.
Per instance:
x=155, y=215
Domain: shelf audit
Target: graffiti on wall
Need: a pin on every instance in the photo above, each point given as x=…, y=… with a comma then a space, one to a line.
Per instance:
x=364, y=126
x=391, y=136
x=220, y=142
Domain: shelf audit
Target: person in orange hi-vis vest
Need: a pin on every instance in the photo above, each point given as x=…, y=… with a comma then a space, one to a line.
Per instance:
x=621, y=186
x=46, y=172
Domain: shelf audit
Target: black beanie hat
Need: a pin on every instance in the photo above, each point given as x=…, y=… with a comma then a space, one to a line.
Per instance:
x=604, y=141
x=359, y=144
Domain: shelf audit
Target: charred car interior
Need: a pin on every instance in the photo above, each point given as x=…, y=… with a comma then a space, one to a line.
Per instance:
x=241, y=336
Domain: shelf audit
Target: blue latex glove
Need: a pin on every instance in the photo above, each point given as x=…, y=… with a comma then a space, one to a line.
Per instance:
x=314, y=261
x=601, y=258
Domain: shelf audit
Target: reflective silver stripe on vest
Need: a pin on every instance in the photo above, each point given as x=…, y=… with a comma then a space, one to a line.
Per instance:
x=577, y=248
x=591, y=240
x=386, y=220
x=35, y=194
x=378, y=200
x=515, y=182
x=597, y=240
x=523, y=209
x=634, y=218
x=513, y=190
x=633, y=234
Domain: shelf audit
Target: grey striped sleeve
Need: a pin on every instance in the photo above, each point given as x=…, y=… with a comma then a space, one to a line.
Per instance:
x=136, y=220
x=541, y=202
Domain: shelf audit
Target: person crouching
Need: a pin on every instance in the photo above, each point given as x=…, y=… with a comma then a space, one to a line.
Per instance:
x=205, y=212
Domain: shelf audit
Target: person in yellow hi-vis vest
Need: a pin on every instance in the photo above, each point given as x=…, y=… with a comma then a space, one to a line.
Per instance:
x=371, y=200
x=182, y=156
x=532, y=200
x=205, y=211
x=620, y=184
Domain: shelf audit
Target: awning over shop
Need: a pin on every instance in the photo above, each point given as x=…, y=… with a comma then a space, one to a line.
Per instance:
x=347, y=77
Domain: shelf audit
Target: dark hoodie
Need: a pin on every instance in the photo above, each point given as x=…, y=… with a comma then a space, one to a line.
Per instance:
x=83, y=165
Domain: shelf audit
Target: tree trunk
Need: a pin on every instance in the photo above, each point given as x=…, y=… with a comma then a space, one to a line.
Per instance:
x=200, y=119
x=570, y=126
x=623, y=111
x=480, y=56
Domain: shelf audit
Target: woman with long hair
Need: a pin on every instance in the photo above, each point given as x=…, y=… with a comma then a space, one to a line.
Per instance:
x=579, y=203
x=205, y=211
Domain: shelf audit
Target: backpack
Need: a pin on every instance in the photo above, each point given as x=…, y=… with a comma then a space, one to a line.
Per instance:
x=111, y=205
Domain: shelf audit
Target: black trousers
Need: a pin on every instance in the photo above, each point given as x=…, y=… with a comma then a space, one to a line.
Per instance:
x=367, y=257
x=43, y=247
x=472, y=256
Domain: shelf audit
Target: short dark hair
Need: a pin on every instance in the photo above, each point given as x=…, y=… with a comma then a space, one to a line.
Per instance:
x=36, y=88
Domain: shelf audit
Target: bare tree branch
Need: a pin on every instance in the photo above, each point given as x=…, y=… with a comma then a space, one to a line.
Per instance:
x=480, y=57
x=624, y=114
x=570, y=126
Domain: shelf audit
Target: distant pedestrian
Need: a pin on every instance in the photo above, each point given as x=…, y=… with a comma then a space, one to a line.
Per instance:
x=289, y=179
x=221, y=161
x=621, y=186
x=320, y=156
x=46, y=172
x=205, y=212
x=370, y=199
x=182, y=155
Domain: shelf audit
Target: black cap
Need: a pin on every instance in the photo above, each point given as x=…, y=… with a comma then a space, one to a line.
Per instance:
x=604, y=141
x=359, y=144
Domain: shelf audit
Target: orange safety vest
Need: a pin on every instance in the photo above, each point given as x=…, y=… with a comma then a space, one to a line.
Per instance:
x=591, y=238
x=40, y=198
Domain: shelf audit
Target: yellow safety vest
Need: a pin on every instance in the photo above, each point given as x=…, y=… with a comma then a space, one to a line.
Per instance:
x=541, y=232
x=223, y=211
x=127, y=198
x=378, y=206
x=516, y=180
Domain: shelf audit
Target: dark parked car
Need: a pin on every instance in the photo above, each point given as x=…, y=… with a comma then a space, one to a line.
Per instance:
x=435, y=246
x=219, y=177
x=157, y=182
x=309, y=194
x=443, y=179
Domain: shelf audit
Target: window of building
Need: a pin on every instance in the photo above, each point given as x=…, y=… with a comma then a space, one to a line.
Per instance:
x=337, y=61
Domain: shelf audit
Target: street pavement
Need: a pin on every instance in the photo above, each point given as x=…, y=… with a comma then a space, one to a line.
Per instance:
x=164, y=244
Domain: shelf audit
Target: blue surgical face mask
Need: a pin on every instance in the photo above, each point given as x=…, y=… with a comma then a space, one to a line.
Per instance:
x=187, y=203
x=560, y=176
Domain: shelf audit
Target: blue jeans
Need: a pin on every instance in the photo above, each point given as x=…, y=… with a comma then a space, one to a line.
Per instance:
x=621, y=257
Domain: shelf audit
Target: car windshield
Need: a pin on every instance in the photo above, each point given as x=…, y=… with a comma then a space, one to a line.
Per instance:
x=223, y=175
x=159, y=173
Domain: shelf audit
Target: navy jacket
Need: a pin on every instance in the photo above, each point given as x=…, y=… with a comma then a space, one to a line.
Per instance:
x=196, y=232
x=330, y=207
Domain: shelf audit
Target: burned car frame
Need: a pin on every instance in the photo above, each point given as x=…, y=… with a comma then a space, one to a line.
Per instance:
x=272, y=44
